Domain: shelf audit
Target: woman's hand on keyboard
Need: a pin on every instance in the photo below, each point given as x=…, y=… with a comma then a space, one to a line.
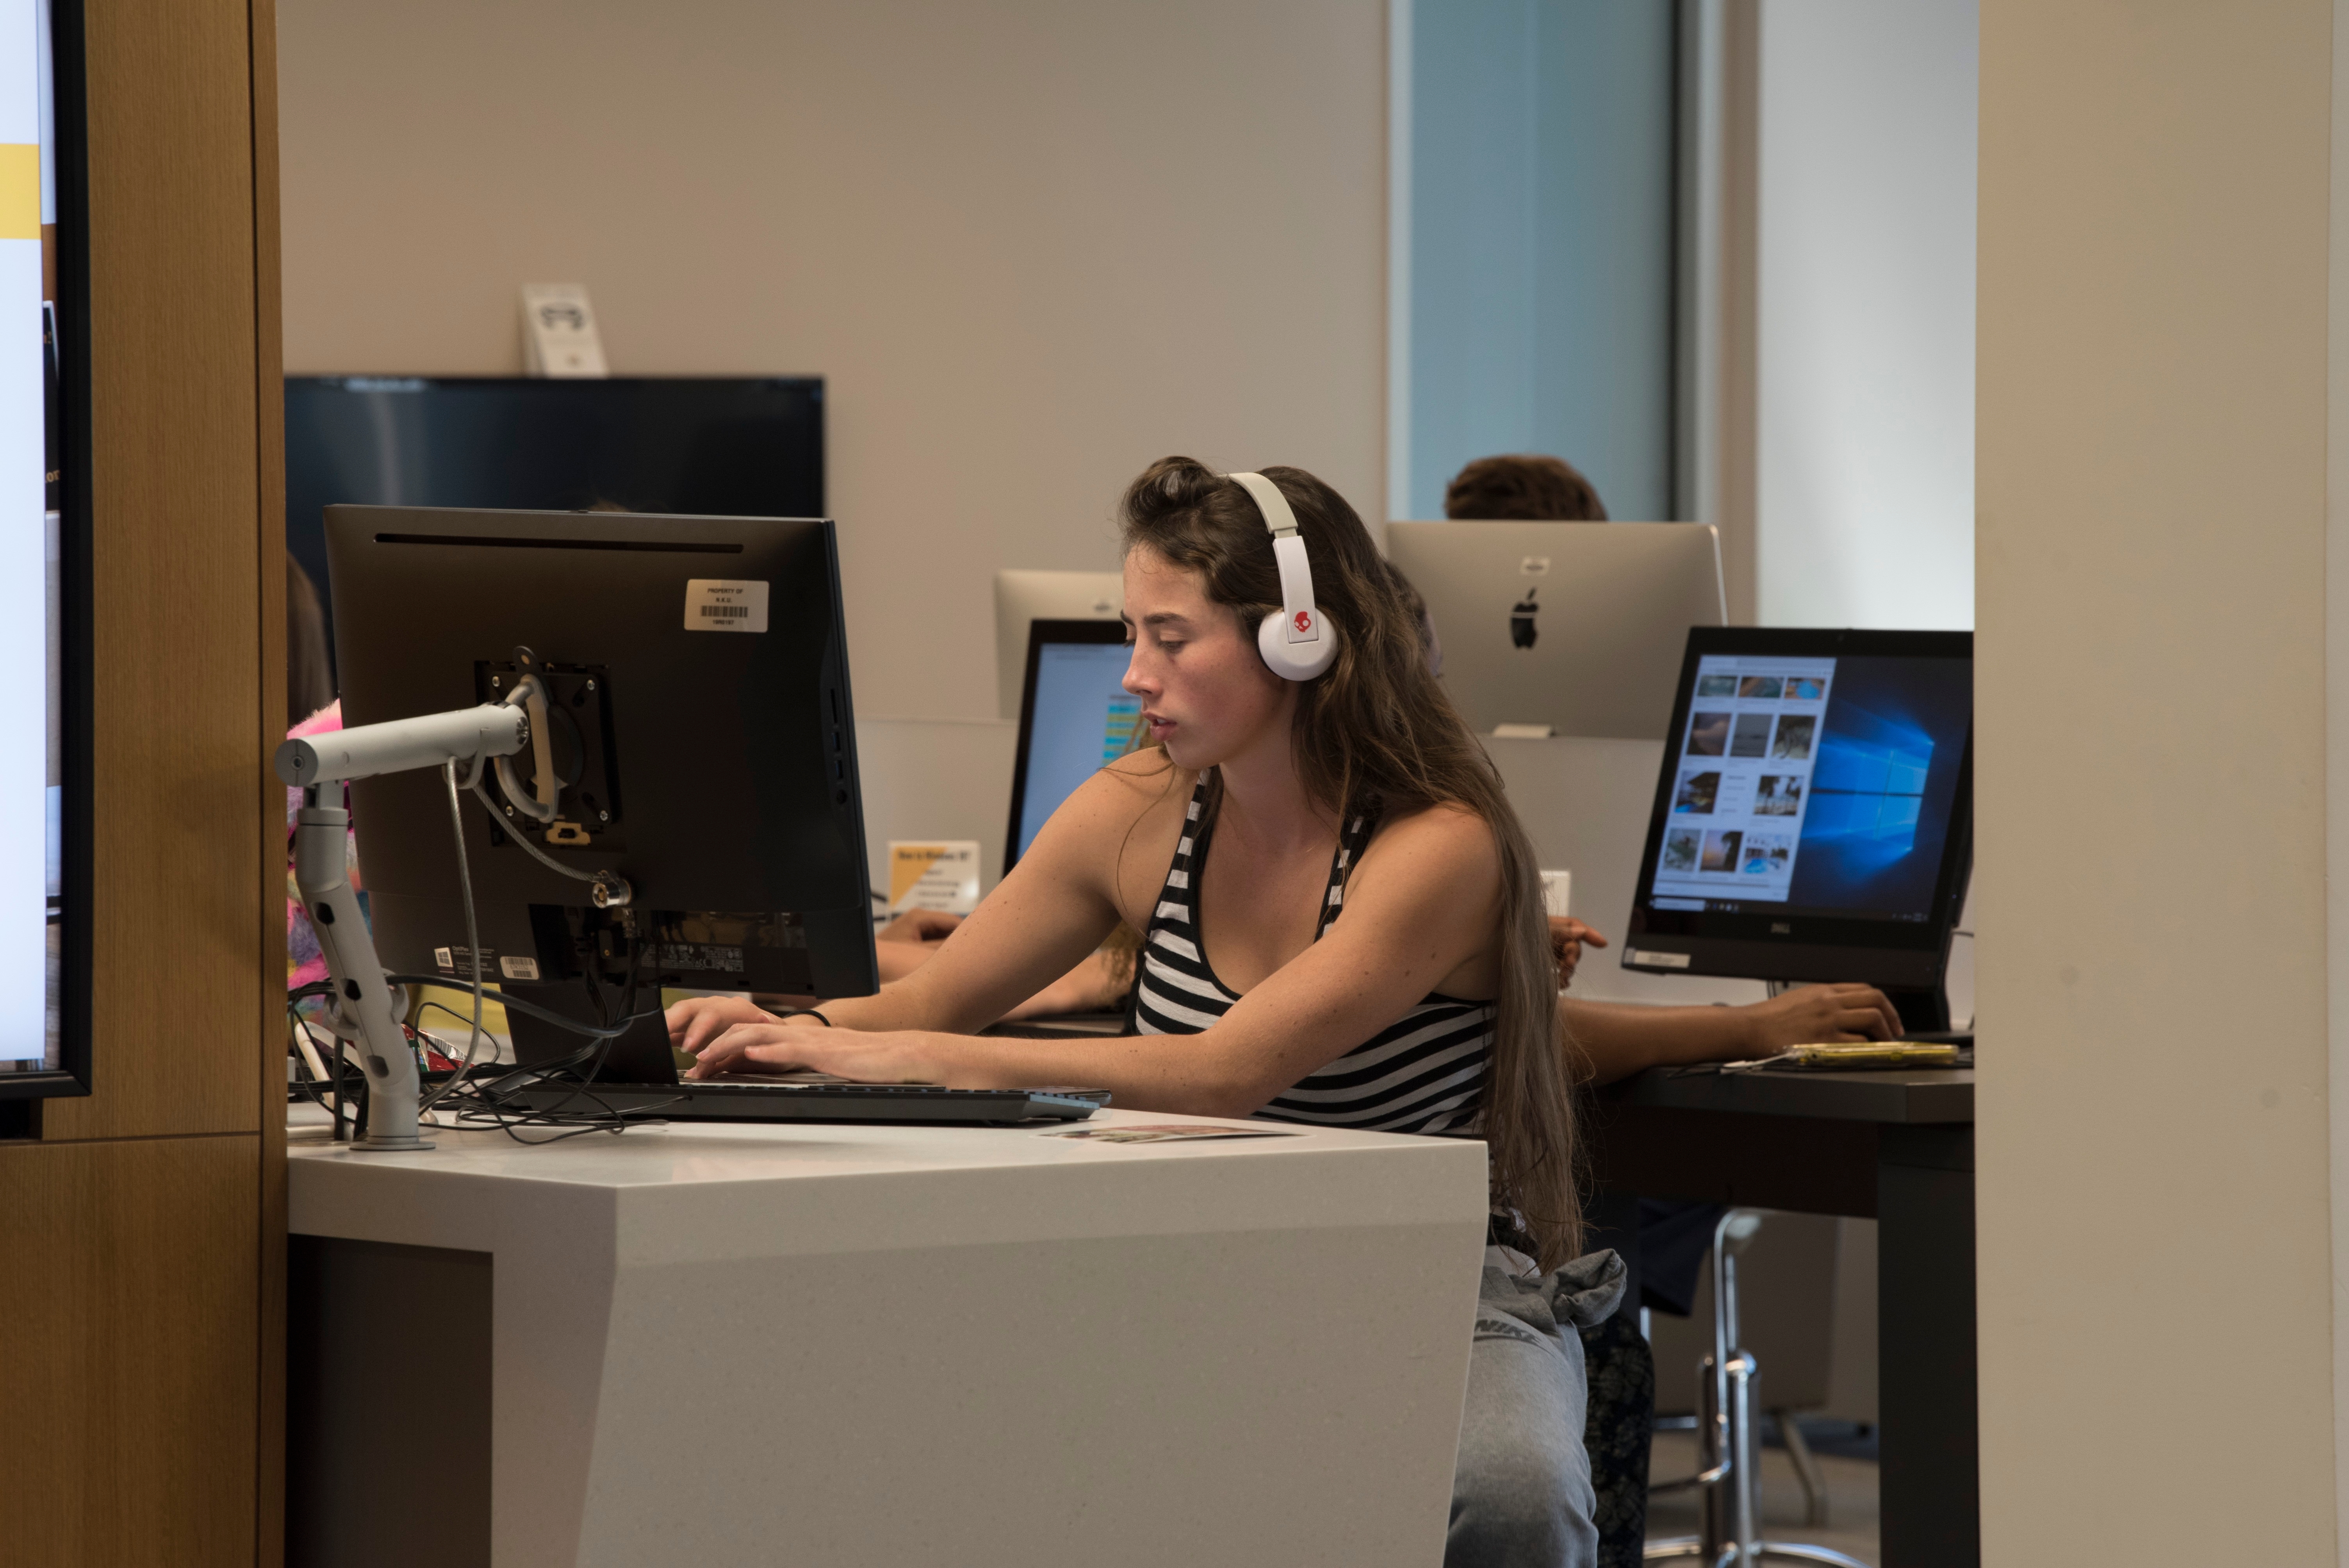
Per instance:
x=697, y=1021
x=789, y=1045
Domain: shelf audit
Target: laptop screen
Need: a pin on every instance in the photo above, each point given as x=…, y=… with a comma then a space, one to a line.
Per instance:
x=1074, y=716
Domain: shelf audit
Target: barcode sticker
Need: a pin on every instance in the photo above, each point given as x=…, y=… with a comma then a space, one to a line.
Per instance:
x=722, y=604
x=514, y=968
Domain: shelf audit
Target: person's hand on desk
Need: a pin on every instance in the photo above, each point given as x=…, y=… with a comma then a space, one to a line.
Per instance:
x=1566, y=936
x=1611, y=1040
x=927, y=927
x=736, y=1037
x=696, y=1021
x=1822, y=1016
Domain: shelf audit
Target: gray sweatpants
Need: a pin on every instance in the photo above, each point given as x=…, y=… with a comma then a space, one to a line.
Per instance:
x=1521, y=1494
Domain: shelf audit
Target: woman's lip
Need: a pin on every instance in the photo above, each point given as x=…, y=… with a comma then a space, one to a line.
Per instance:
x=1158, y=727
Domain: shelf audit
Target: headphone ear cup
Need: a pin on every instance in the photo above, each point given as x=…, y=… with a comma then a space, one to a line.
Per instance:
x=1295, y=661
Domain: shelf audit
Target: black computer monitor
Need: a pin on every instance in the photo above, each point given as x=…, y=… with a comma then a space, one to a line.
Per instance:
x=1074, y=716
x=1814, y=817
x=706, y=741
x=710, y=445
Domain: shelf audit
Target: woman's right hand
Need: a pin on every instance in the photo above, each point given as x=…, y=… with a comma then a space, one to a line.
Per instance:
x=928, y=927
x=697, y=1021
x=1822, y=1016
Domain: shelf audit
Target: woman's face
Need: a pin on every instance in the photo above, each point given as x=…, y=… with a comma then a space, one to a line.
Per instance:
x=1205, y=692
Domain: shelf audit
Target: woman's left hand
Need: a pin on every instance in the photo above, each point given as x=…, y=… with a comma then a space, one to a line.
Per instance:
x=803, y=1043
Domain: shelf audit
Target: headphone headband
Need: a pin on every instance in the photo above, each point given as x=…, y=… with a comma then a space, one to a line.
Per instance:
x=1294, y=645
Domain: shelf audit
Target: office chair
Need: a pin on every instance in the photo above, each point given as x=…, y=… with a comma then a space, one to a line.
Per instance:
x=1729, y=1445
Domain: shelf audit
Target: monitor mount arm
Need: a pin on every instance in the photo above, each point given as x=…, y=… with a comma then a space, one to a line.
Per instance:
x=361, y=1001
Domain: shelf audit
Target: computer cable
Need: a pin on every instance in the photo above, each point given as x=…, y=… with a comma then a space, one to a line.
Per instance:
x=472, y=937
x=612, y=888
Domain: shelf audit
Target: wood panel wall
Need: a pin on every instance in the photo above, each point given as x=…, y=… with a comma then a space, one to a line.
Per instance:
x=142, y=1232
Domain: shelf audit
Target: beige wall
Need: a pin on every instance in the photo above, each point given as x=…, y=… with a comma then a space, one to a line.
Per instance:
x=2156, y=1309
x=1033, y=244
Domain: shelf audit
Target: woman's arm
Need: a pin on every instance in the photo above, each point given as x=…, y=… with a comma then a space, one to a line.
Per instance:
x=1611, y=1040
x=1040, y=923
x=1420, y=905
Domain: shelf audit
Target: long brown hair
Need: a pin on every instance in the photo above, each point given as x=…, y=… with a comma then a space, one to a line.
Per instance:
x=1375, y=733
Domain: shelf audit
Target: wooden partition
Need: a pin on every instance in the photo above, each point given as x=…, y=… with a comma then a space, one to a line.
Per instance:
x=141, y=1231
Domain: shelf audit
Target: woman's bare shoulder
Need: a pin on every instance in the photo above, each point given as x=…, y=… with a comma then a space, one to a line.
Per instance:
x=1127, y=808
x=1442, y=834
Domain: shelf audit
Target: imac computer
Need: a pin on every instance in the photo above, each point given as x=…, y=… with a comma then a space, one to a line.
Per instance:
x=1023, y=598
x=1563, y=628
x=1075, y=714
x=1813, y=819
x=700, y=729
x=746, y=446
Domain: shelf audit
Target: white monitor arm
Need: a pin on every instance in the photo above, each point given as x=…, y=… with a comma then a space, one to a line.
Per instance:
x=361, y=1003
x=361, y=1006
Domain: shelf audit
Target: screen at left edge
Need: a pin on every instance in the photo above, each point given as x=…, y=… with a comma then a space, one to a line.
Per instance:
x=1081, y=719
x=31, y=778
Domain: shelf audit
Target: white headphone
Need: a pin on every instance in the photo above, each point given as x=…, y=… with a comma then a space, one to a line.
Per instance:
x=1297, y=643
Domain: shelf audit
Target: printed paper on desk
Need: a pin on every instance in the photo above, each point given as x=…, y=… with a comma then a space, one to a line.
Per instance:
x=940, y=874
x=1163, y=1132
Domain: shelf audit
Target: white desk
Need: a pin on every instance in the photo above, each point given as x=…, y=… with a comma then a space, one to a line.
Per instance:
x=906, y=1346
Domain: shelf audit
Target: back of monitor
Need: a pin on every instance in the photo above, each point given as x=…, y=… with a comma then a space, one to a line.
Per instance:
x=1575, y=626
x=1022, y=596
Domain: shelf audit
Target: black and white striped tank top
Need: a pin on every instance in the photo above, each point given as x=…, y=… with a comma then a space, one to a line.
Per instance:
x=1423, y=1073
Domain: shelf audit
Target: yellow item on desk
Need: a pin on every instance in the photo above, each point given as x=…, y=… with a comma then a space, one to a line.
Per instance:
x=1889, y=1054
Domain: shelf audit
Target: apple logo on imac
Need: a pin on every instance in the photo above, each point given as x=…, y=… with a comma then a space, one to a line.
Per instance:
x=1522, y=630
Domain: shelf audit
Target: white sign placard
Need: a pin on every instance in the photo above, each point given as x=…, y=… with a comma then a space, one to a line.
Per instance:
x=558, y=331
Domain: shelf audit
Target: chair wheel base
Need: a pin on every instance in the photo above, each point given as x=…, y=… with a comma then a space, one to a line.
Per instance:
x=1763, y=1552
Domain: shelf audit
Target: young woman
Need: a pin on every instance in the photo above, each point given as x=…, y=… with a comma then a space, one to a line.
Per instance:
x=1342, y=926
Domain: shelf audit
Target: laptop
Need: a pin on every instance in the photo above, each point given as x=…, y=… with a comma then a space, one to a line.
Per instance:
x=636, y=1076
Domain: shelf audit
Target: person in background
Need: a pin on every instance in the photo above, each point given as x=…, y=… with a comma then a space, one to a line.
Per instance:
x=309, y=667
x=1610, y=1040
x=1524, y=487
x=311, y=708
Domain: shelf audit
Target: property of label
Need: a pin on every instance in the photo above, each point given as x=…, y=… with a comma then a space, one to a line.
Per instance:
x=1657, y=960
x=518, y=968
x=939, y=875
x=725, y=604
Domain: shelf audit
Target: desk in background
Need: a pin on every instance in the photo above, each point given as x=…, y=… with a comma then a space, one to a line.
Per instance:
x=880, y=1344
x=1894, y=1146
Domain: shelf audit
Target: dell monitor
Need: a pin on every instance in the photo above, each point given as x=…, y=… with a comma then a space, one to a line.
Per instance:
x=1813, y=819
x=722, y=446
x=1075, y=716
x=703, y=735
x=1563, y=628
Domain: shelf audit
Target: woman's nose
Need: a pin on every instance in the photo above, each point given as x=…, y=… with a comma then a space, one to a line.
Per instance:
x=1135, y=680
